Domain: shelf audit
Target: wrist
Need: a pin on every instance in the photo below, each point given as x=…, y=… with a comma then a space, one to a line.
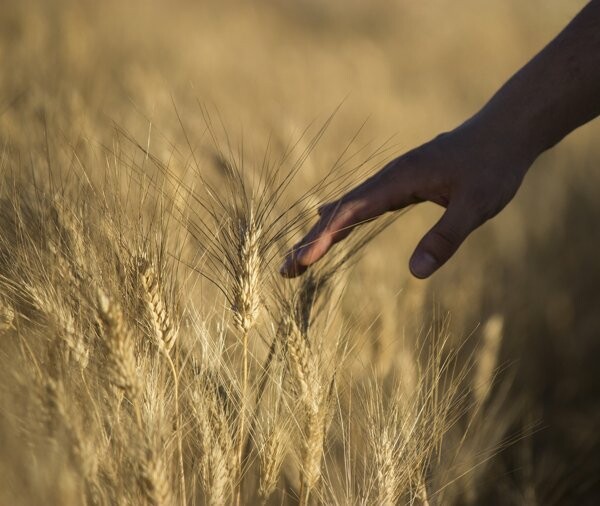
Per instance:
x=505, y=136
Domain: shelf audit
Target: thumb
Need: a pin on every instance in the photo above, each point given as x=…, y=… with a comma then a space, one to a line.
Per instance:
x=442, y=241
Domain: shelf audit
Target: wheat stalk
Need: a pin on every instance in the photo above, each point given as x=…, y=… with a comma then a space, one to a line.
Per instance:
x=314, y=402
x=165, y=335
x=272, y=433
x=246, y=270
x=218, y=459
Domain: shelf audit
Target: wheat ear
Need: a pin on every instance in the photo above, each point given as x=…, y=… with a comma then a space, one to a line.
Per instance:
x=154, y=479
x=217, y=468
x=245, y=306
x=122, y=365
x=165, y=335
x=314, y=400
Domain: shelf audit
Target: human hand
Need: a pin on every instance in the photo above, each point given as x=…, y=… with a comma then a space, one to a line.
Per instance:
x=471, y=171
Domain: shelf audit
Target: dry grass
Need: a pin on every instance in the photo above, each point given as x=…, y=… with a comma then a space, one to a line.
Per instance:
x=149, y=351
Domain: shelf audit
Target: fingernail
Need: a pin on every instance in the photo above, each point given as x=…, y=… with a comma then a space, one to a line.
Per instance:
x=423, y=264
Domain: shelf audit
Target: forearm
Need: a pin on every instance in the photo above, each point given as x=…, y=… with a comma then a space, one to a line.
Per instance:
x=556, y=92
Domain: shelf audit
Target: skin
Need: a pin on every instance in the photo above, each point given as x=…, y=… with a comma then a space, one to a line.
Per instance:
x=475, y=170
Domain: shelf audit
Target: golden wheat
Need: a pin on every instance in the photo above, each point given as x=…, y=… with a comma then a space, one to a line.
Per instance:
x=149, y=352
x=120, y=347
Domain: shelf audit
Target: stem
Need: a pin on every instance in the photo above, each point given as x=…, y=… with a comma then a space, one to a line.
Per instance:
x=422, y=494
x=138, y=417
x=262, y=384
x=178, y=428
x=304, y=494
x=242, y=426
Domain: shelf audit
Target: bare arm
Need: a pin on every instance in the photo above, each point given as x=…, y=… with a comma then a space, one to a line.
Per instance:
x=557, y=91
x=475, y=170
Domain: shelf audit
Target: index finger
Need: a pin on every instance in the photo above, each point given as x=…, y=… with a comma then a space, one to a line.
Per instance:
x=329, y=229
x=391, y=188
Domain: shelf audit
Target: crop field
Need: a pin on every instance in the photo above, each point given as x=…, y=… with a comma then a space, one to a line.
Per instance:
x=157, y=161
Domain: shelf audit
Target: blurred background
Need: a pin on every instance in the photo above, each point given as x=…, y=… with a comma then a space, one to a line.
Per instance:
x=72, y=70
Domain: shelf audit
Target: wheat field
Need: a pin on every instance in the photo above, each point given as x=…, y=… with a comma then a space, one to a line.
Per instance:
x=158, y=158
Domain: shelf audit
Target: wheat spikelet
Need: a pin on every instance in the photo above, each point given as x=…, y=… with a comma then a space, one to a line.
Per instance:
x=119, y=345
x=60, y=315
x=218, y=461
x=154, y=479
x=225, y=441
x=313, y=402
x=220, y=430
x=215, y=464
x=246, y=275
x=386, y=469
x=246, y=271
x=390, y=453
x=73, y=340
x=165, y=335
x=216, y=476
x=313, y=447
x=271, y=454
x=302, y=364
x=165, y=332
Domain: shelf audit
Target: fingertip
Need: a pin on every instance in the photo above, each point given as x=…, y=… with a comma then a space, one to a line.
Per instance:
x=293, y=264
x=284, y=269
x=423, y=264
x=290, y=269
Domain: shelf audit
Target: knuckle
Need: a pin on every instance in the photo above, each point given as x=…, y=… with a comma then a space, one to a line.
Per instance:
x=342, y=214
x=353, y=210
x=445, y=240
x=346, y=213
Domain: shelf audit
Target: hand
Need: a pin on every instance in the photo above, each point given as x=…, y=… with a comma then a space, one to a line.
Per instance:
x=472, y=171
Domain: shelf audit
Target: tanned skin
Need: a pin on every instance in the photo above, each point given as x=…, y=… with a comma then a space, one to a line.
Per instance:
x=475, y=170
